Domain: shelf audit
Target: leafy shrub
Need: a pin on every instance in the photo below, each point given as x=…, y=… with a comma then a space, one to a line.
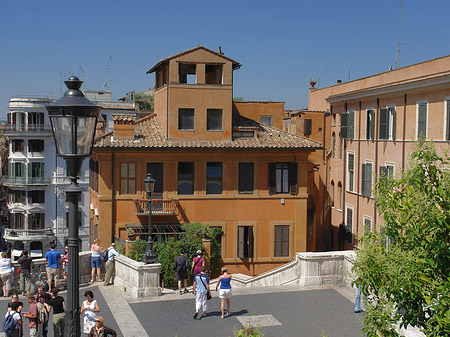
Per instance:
x=137, y=250
x=120, y=248
x=248, y=331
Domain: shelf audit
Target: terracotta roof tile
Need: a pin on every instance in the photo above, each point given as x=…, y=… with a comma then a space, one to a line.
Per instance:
x=150, y=134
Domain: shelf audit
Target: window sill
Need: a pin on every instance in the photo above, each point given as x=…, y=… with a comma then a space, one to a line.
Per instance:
x=186, y=130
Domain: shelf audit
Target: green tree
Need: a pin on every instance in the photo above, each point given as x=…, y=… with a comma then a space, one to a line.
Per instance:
x=406, y=267
x=238, y=99
x=144, y=101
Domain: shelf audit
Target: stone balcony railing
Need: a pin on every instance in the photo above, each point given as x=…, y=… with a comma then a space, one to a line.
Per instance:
x=28, y=234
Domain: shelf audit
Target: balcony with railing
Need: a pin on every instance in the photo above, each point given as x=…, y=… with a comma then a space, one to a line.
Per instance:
x=28, y=234
x=25, y=181
x=159, y=207
x=11, y=129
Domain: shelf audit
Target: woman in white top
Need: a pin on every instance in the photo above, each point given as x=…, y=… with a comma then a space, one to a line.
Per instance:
x=96, y=264
x=6, y=274
x=90, y=309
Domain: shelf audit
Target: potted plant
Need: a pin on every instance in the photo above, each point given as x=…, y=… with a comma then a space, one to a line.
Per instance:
x=131, y=233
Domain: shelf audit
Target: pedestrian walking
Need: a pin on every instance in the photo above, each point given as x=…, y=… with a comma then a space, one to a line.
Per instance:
x=109, y=264
x=96, y=263
x=201, y=290
x=6, y=274
x=16, y=320
x=181, y=266
x=19, y=307
x=26, y=263
x=34, y=323
x=58, y=305
x=358, y=299
x=100, y=330
x=224, y=282
x=197, y=263
x=89, y=308
x=53, y=257
x=43, y=297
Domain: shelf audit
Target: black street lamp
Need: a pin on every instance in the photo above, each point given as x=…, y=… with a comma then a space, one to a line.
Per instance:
x=149, y=256
x=73, y=118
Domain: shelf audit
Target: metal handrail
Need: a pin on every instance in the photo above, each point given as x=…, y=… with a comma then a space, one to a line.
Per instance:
x=27, y=127
x=159, y=206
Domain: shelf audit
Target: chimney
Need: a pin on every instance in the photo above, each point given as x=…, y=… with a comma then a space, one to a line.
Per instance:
x=124, y=126
x=101, y=125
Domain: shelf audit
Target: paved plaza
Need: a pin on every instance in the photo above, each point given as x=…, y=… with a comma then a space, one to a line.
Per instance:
x=280, y=311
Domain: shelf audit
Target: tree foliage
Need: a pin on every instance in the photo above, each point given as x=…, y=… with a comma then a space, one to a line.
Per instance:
x=190, y=240
x=408, y=279
x=145, y=102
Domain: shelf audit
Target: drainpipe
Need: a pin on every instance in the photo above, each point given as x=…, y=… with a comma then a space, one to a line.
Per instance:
x=112, y=198
x=375, y=136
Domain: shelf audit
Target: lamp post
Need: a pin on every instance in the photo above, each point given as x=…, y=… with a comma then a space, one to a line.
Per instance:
x=149, y=256
x=73, y=118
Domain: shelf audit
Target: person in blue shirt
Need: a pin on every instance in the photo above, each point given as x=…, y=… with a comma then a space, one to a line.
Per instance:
x=224, y=282
x=53, y=258
x=201, y=289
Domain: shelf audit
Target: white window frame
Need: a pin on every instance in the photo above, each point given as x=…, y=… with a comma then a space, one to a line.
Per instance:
x=368, y=218
x=350, y=226
x=348, y=172
x=390, y=164
x=419, y=102
x=446, y=106
x=390, y=135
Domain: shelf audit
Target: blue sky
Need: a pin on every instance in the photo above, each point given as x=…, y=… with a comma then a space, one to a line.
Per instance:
x=280, y=44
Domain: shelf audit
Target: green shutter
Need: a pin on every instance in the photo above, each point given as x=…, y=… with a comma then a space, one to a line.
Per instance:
x=422, y=121
x=351, y=125
x=344, y=125
x=383, y=124
x=363, y=182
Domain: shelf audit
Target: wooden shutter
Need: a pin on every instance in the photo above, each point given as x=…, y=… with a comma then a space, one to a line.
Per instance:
x=293, y=178
x=284, y=240
x=344, y=123
x=277, y=247
x=383, y=124
x=250, y=242
x=272, y=179
x=41, y=175
x=240, y=252
x=307, y=129
x=363, y=182
x=422, y=121
x=351, y=125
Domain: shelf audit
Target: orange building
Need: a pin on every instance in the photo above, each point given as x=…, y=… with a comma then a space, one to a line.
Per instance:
x=372, y=125
x=212, y=164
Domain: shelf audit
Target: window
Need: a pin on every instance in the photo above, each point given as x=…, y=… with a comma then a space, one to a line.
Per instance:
x=17, y=170
x=333, y=149
x=282, y=178
x=127, y=178
x=17, y=220
x=185, y=119
x=35, y=145
x=367, y=225
x=245, y=242
x=185, y=178
x=36, y=172
x=17, y=196
x=349, y=222
x=422, y=120
x=213, y=178
x=243, y=134
x=35, y=119
x=350, y=171
x=307, y=127
x=370, y=124
x=36, y=197
x=214, y=119
x=387, y=170
x=341, y=148
x=93, y=174
x=367, y=179
x=36, y=221
x=387, y=123
x=348, y=125
x=78, y=219
x=447, y=121
x=17, y=145
x=281, y=241
x=156, y=170
x=213, y=74
x=266, y=120
x=187, y=73
x=246, y=178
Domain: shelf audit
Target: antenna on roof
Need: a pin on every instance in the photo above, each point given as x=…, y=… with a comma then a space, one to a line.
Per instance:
x=399, y=36
x=109, y=72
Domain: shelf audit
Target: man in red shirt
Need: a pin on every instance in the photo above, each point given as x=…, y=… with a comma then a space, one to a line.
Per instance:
x=34, y=324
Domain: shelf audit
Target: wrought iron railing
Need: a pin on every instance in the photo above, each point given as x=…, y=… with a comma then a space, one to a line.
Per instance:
x=159, y=206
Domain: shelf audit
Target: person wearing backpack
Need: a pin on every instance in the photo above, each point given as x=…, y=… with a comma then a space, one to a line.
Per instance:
x=34, y=324
x=109, y=256
x=181, y=266
x=12, y=321
x=42, y=299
